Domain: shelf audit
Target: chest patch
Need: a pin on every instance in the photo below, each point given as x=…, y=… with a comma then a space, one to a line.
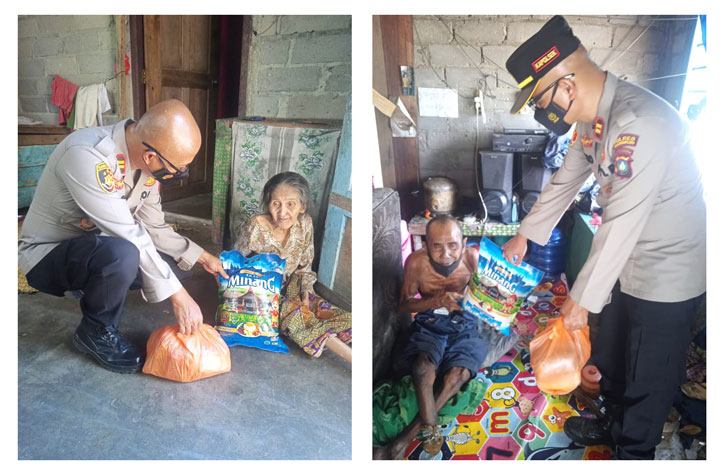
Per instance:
x=106, y=179
x=586, y=141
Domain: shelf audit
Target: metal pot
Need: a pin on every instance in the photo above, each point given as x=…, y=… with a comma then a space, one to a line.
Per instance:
x=440, y=195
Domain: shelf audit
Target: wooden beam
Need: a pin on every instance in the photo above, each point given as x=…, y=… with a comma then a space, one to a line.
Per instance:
x=394, y=47
x=120, y=21
x=198, y=80
x=244, y=64
x=153, y=59
x=136, y=43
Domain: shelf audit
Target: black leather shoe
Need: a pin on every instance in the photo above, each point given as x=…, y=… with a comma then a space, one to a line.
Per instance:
x=589, y=431
x=108, y=347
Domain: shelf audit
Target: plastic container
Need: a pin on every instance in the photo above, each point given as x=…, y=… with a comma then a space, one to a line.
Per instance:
x=590, y=377
x=551, y=258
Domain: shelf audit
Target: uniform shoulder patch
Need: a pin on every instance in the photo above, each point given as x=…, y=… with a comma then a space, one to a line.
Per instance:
x=625, y=139
x=574, y=137
x=150, y=182
x=106, y=180
x=121, y=159
x=598, y=128
x=623, y=163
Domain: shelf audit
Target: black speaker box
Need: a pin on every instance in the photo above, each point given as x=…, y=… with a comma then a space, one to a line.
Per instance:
x=496, y=171
x=531, y=176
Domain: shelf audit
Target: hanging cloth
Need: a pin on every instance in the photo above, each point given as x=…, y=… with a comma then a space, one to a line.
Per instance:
x=62, y=95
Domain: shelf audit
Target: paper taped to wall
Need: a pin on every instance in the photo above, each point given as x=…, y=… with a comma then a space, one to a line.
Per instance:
x=440, y=102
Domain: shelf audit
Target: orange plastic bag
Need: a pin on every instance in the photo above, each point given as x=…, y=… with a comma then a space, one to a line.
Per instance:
x=558, y=355
x=186, y=357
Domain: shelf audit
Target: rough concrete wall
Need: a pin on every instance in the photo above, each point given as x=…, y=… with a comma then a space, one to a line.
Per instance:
x=470, y=52
x=81, y=49
x=300, y=67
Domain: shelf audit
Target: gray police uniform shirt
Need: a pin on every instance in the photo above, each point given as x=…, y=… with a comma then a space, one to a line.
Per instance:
x=652, y=237
x=89, y=186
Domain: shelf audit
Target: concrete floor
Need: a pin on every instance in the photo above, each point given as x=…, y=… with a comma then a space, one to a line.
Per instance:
x=270, y=406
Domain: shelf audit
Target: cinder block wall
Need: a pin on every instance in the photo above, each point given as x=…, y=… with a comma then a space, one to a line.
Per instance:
x=300, y=67
x=81, y=49
x=470, y=52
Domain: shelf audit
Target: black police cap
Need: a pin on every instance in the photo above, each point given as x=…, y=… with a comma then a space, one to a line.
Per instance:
x=539, y=54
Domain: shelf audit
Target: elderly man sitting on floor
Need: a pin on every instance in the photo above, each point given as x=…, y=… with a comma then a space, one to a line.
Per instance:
x=444, y=340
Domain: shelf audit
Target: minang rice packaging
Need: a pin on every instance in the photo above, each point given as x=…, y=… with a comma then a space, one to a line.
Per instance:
x=497, y=288
x=249, y=301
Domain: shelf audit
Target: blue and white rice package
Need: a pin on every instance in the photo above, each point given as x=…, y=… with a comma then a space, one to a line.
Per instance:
x=497, y=288
x=249, y=301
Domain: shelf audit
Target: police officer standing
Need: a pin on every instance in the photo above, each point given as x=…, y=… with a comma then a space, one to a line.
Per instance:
x=645, y=272
x=96, y=227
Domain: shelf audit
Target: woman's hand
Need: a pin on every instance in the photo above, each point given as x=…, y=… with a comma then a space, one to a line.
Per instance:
x=304, y=298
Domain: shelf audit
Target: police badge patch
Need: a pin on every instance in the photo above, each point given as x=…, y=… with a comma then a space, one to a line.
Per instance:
x=106, y=179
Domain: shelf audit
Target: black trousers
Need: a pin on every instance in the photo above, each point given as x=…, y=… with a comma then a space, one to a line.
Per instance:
x=105, y=268
x=640, y=350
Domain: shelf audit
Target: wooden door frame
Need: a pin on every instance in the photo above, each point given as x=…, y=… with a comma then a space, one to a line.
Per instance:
x=393, y=46
x=150, y=92
x=136, y=46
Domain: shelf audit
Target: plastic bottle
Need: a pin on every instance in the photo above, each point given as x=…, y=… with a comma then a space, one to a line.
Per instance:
x=551, y=258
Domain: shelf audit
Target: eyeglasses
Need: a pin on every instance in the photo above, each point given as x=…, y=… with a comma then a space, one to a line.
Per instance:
x=181, y=173
x=533, y=101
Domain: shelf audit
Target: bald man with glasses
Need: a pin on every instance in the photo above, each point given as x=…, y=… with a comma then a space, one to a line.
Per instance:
x=96, y=228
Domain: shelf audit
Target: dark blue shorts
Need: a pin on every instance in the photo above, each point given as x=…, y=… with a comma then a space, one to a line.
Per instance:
x=448, y=340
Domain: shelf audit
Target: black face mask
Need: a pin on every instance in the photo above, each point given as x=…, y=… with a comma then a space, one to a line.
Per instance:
x=552, y=117
x=164, y=173
x=167, y=176
x=445, y=270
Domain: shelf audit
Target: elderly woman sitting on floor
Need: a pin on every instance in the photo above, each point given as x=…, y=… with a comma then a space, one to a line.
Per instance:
x=286, y=229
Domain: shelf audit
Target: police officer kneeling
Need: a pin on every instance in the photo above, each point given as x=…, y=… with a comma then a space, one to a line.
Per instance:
x=645, y=273
x=96, y=227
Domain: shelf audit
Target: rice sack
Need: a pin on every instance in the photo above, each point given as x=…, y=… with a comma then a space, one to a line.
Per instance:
x=249, y=301
x=497, y=288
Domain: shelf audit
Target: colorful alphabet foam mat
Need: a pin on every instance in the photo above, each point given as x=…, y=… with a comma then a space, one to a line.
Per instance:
x=516, y=420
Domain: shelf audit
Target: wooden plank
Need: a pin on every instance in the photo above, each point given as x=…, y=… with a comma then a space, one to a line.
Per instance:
x=340, y=201
x=244, y=64
x=28, y=176
x=29, y=156
x=342, y=281
x=120, y=22
x=384, y=133
x=173, y=78
x=136, y=40
x=331, y=246
x=43, y=129
x=39, y=139
x=153, y=59
x=342, y=174
x=406, y=165
x=402, y=170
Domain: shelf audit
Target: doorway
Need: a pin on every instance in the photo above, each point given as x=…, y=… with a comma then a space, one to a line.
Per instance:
x=178, y=56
